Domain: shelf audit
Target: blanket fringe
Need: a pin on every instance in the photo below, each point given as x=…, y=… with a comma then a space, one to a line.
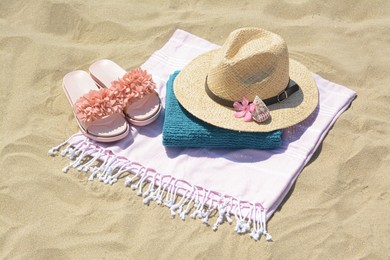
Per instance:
x=165, y=189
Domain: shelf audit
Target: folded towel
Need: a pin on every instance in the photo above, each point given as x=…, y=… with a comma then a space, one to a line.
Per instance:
x=181, y=129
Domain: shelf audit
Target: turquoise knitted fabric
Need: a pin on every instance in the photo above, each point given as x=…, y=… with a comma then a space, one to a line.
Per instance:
x=181, y=129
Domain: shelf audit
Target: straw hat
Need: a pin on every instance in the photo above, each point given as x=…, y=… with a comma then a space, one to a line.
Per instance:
x=252, y=62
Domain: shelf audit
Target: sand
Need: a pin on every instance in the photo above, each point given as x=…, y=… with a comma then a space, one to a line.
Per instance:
x=339, y=206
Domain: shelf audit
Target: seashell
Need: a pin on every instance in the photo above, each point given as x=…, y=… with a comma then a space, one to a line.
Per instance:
x=261, y=111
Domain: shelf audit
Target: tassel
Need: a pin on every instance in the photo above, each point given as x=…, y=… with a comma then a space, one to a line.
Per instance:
x=255, y=234
x=268, y=236
x=53, y=151
x=183, y=215
x=168, y=201
x=205, y=220
x=86, y=154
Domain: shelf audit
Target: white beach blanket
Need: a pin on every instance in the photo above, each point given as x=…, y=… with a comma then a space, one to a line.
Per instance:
x=244, y=183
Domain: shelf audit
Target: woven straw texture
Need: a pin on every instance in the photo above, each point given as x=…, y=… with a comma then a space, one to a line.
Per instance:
x=181, y=129
x=251, y=62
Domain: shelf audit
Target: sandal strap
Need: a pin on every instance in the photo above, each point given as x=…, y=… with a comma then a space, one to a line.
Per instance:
x=97, y=104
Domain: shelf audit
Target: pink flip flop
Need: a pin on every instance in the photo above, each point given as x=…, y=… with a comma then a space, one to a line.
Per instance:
x=97, y=116
x=141, y=110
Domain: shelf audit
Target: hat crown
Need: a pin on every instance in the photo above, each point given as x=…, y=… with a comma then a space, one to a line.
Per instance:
x=252, y=62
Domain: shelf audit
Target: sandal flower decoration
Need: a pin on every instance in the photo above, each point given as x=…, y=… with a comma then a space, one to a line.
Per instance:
x=255, y=110
x=97, y=104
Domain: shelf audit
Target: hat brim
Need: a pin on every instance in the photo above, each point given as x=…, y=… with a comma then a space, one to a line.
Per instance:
x=189, y=88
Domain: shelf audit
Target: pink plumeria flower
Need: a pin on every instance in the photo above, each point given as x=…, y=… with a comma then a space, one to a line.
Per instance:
x=244, y=109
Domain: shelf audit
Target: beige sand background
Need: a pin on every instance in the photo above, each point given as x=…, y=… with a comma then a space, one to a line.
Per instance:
x=339, y=206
